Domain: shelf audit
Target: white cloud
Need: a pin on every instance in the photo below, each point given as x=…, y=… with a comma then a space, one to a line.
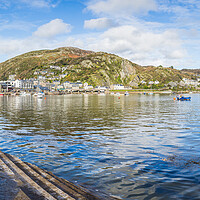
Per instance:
x=121, y=7
x=100, y=23
x=139, y=45
x=40, y=3
x=53, y=28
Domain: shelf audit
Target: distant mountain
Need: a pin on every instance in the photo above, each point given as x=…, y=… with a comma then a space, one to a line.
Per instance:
x=193, y=71
x=96, y=68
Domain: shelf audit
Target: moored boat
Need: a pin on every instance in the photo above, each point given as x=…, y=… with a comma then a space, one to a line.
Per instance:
x=183, y=98
x=40, y=95
x=126, y=93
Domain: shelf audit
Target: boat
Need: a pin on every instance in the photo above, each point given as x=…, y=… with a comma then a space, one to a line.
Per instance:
x=101, y=94
x=23, y=93
x=40, y=95
x=126, y=93
x=117, y=94
x=183, y=98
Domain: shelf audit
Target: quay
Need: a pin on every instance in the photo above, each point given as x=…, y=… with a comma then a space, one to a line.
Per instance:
x=24, y=181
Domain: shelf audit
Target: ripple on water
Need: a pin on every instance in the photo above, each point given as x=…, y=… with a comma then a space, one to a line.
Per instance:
x=140, y=147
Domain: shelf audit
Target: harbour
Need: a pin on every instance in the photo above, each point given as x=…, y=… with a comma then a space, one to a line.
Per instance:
x=133, y=147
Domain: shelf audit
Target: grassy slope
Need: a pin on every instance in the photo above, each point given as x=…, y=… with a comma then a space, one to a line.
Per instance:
x=95, y=68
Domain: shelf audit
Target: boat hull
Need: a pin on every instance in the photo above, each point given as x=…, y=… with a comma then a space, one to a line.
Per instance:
x=183, y=98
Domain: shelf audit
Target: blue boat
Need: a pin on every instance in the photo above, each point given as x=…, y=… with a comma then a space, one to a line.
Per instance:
x=182, y=98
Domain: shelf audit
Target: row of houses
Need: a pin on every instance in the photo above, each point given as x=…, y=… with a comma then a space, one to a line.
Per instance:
x=194, y=83
x=55, y=85
x=150, y=82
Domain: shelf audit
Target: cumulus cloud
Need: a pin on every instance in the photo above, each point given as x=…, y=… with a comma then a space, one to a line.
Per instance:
x=139, y=45
x=38, y=40
x=142, y=46
x=118, y=7
x=100, y=23
x=53, y=28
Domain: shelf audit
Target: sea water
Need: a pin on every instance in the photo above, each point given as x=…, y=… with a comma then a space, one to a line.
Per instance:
x=132, y=147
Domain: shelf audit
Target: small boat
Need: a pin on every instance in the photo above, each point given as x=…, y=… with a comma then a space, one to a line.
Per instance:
x=40, y=95
x=23, y=93
x=117, y=94
x=126, y=93
x=183, y=98
x=101, y=94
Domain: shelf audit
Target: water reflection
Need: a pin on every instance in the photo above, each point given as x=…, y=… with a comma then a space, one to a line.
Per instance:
x=123, y=146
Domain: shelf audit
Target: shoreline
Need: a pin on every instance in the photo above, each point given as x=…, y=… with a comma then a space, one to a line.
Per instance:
x=100, y=92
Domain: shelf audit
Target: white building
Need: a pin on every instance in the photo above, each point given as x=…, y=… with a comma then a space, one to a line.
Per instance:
x=41, y=77
x=117, y=87
x=62, y=76
x=79, y=84
x=67, y=84
x=190, y=82
x=143, y=82
x=151, y=82
x=11, y=77
x=18, y=83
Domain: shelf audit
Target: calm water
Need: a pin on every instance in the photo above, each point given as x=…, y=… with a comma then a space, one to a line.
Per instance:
x=135, y=147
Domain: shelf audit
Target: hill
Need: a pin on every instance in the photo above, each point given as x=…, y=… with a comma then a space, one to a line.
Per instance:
x=193, y=71
x=96, y=68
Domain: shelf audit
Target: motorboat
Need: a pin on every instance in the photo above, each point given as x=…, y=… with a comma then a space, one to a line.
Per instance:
x=183, y=98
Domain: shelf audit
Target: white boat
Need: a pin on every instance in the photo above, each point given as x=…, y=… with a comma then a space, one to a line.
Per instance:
x=40, y=95
x=101, y=94
x=126, y=93
x=23, y=93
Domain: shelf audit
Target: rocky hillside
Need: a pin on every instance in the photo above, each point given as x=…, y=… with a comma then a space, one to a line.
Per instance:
x=96, y=68
x=193, y=71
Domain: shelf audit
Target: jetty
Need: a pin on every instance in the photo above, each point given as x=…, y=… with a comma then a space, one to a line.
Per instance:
x=24, y=181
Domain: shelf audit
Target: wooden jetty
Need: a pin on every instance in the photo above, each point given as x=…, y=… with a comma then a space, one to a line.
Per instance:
x=33, y=183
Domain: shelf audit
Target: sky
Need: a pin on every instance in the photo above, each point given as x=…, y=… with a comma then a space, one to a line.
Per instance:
x=147, y=32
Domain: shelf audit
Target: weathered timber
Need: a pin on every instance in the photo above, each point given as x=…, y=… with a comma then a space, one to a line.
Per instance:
x=33, y=183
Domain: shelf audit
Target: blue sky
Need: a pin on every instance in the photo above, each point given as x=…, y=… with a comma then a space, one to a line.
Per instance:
x=147, y=32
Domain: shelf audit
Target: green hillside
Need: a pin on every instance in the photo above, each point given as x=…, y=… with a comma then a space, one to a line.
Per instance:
x=96, y=68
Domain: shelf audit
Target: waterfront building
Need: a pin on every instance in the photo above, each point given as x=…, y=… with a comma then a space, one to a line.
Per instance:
x=12, y=77
x=117, y=87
